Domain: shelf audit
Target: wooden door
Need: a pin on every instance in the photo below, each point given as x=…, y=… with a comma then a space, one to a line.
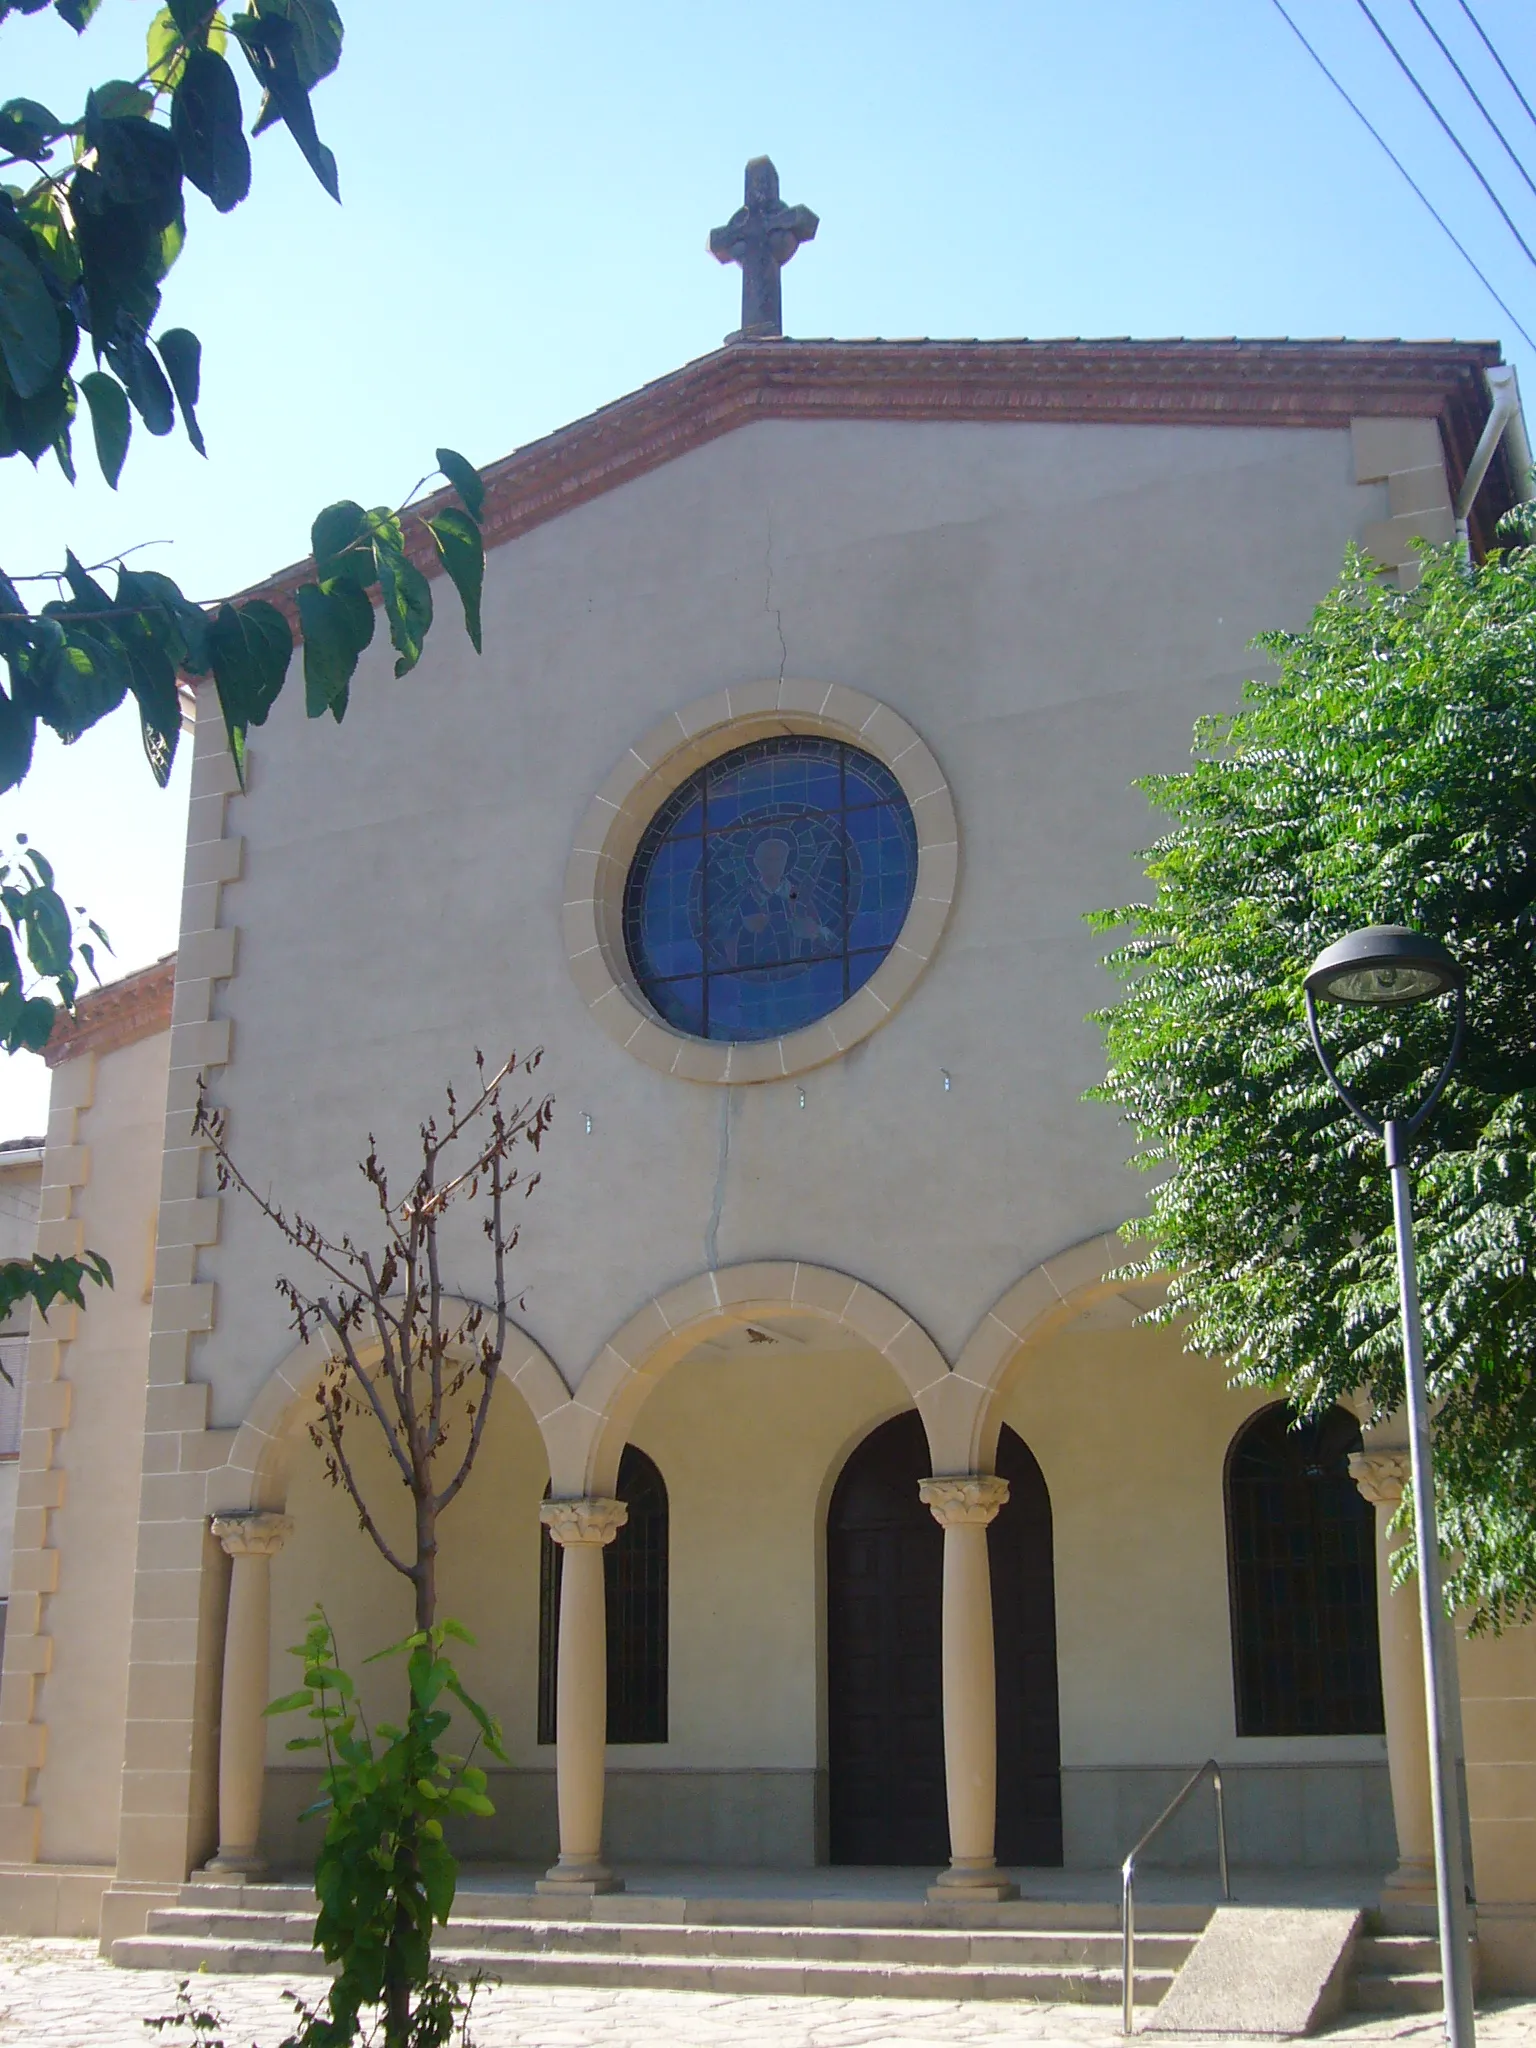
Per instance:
x=885, y=1708
x=885, y=1570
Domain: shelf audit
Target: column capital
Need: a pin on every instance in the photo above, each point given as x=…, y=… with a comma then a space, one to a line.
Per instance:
x=971, y=1500
x=583, y=1521
x=1381, y=1475
x=251, y=1535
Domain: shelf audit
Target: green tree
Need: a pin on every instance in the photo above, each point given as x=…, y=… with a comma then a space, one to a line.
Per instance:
x=92, y=219
x=1385, y=774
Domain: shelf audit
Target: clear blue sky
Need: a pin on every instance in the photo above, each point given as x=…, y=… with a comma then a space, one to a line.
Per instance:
x=527, y=192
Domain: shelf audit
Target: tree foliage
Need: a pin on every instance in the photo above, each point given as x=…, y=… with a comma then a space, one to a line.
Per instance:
x=1385, y=775
x=385, y=1876
x=92, y=218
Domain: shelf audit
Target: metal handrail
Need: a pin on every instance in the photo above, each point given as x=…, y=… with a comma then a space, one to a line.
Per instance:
x=1128, y=1884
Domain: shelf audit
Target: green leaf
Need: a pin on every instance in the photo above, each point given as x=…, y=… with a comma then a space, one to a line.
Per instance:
x=166, y=45
x=27, y=129
x=340, y=541
x=111, y=422
x=29, y=324
x=50, y=232
x=182, y=354
x=137, y=163
x=77, y=13
x=336, y=625
x=206, y=126
x=250, y=651
x=144, y=381
x=190, y=17
x=18, y=730
x=119, y=100
x=317, y=36
x=290, y=1703
x=465, y=479
x=271, y=46
x=407, y=599
x=458, y=543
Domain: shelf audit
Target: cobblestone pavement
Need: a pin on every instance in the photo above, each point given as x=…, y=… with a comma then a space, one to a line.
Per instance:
x=60, y=1994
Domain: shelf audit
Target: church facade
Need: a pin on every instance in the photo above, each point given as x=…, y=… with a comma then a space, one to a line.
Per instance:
x=816, y=678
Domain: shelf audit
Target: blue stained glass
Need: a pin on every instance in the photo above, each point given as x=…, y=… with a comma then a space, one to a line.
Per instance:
x=785, y=871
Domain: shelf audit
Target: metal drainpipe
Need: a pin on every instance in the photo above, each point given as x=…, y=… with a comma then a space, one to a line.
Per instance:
x=1504, y=390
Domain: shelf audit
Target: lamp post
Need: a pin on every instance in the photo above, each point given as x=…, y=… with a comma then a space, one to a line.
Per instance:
x=1386, y=966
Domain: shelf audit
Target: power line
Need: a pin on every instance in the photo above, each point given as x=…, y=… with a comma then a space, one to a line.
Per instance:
x=1509, y=149
x=1493, y=53
x=1364, y=118
x=1461, y=148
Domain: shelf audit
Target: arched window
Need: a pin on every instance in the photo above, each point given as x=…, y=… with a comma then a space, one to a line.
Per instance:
x=1301, y=1563
x=635, y=1583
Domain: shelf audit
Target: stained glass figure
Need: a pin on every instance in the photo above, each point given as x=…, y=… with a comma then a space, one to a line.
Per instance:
x=769, y=887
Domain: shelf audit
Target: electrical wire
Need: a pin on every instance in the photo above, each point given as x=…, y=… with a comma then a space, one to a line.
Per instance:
x=1509, y=148
x=1493, y=53
x=1365, y=120
x=1456, y=141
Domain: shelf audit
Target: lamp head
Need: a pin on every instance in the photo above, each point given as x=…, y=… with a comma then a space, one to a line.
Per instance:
x=1384, y=965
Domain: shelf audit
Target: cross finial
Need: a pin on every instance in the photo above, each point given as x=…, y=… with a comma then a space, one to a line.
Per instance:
x=761, y=236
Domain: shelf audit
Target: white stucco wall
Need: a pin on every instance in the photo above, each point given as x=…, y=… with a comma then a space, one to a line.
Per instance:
x=1050, y=606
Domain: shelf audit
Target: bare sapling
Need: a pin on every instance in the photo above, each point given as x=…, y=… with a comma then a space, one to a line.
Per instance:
x=419, y=1360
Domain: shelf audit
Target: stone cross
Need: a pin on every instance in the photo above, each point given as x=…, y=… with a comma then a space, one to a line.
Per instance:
x=761, y=236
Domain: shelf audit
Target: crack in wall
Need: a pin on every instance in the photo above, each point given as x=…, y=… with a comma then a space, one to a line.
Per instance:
x=717, y=1203
x=777, y=610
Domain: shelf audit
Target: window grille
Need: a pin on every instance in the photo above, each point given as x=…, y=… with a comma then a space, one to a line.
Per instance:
x=635, y=1588
x=1301, y=1551
x=13, y=1356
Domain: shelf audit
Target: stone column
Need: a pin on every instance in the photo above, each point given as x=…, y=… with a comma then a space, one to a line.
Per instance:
x=963, y=1508
x=251, y=1541
x=581, y=1528
x=1381, y=1476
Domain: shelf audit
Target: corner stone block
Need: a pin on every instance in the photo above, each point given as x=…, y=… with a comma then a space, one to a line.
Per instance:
x=67, y=1166
x=43, y=1489
x=20, y=1833
x=206, y=956
x=1418, y=490
x=214, y=861
x=46, y=1405
x=64, y=1240
x=1382, y=446
x=23, y=1746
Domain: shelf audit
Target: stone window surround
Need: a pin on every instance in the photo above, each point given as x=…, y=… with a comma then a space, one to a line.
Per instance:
x=661, y=762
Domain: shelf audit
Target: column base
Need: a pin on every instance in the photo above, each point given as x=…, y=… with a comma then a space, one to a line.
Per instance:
x=583, y=1878
x=983, y=1882
x=233, y=1866
x=1408, y=1900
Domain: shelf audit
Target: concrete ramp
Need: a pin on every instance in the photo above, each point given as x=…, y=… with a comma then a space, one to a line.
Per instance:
x=1278, y=1970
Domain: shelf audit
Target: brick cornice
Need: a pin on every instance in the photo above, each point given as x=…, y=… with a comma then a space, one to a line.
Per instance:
x=1132, y=383
x=135, y=1007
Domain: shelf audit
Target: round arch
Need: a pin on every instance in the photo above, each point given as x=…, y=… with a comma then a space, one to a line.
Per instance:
x=1048, y=1297
x=255, y=1473
x=586, y=1438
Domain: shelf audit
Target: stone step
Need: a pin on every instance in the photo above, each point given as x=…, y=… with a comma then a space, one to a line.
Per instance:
x=1399, y=1991
x=1393, y=1953
x=1025, y=1948
x=787, y=1976
x=827, y=1910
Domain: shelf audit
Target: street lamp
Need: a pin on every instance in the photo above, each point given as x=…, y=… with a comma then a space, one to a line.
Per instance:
x=1386, y=966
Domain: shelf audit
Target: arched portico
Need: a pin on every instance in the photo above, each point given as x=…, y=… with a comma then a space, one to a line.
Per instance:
x=586, y=1437
x=247, y=1499
x=1045, y=1300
